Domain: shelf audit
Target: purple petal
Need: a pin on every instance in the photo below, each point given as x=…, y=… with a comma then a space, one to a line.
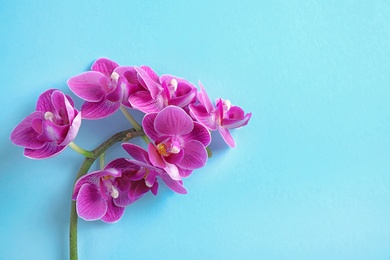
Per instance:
x=90, y=178
x=137, y=190
x=47, y=151
x=24, y=133
x=176, y=186
x=172, y=171
x=123, y=199
x=153, y=75
x=195, y=156
x=173, y=121
x=155, y=157
x=226, y=135
x=136, y=152
x=184, y=93
x=89, y=204
x=148, y=126
x=235, y=123
x=88, y=85
x=199, y=133
x=73, y=130
x=97, y=110
x=145, y=165
x=129, y=73
x=114, y=213
x=153, y=86
x=62, y=106
x=121, y=92
x=154, y=188
x=121, y=163
x=150, y=179
x=142, y=100
x=44, y=102
x=52, y=132
x=205, y=100
x=184, y=173
x=104, y=66
x=183, y=100
x=174, y=158
x=207, y=119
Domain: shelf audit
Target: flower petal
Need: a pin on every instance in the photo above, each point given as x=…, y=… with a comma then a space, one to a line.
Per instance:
x=136, y=152
x=176, y=186
x=121, y=163
x=142, y=100
x=62, y=106
x=44, y=102
x=145, y=78
x=137, y=190
x=227, y=136
x=73, y=130
x=52, y=132
x=174, y=158
x=123, y=199
x=155, y=157
x=148, y=126
x=154, y=188
x=153, y=75
x=183, y=100
x=207, y=119
x=204, y=99
x=97, y=110
x=199, y=133
x=91, y=178
x=47, y=151
x=173, y=121
x=89, y=203
x=172, y=171
x=88, y=85
x=195, y=156
x=184, y=173
x=24, y=133
x=129, y=73
x=105, y=66
x=235, y=123
x=114, y=213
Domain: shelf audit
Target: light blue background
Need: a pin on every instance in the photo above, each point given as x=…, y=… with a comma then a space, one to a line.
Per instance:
x=309, y=178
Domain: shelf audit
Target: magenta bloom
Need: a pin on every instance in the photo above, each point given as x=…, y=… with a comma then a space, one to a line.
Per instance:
x=48, y=130
x=104, y=88
x=178, y=139
x=222, y=117
x=105, y=194
x=161, y=91
x=154, y=168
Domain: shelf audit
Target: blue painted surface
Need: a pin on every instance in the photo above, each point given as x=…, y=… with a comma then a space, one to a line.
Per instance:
x=310, y=176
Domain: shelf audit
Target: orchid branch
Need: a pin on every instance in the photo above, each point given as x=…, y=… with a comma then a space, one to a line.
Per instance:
x=133, y=122
x=86, y=165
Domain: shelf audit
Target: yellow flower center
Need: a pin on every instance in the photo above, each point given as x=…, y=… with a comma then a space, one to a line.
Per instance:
x=162, y=149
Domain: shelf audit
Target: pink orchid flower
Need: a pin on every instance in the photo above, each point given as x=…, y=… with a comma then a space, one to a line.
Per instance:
x=178, y=139
x=223, y=117
x=104, y=88
x=152, y=169
x=104, y=194
x=161, y=91
x=48, y=130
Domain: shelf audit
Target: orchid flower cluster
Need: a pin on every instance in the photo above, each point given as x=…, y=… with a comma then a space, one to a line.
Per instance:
x=177, y=123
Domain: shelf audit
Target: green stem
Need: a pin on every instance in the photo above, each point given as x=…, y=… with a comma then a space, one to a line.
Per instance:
x=88, y=161
x=101, y=160
x=131, y=119
x=133, y=122
x=80, y=150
